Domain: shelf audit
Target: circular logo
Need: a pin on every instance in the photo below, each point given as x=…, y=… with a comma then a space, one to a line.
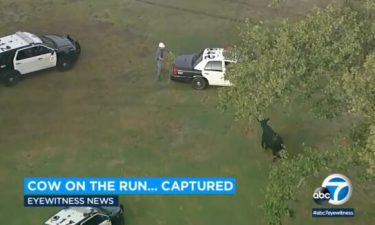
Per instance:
x=339, y=187
x=321, y=196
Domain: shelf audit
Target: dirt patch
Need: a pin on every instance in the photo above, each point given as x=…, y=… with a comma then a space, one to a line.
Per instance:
x=116, y=162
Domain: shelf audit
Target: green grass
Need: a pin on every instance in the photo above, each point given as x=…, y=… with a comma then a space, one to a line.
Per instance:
x=108, y=116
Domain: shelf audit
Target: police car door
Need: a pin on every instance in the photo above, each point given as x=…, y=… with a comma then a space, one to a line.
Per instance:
x=34, y=58
x=213, y=72
x=226, y=81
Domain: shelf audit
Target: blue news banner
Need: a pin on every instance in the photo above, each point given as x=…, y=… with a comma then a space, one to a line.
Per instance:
x=43, y=191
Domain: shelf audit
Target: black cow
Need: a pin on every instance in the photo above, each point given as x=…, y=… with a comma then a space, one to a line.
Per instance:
x=271, y=139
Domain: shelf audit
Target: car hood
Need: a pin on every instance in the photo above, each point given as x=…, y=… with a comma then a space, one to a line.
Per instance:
x=184, y=61
x=60, y=41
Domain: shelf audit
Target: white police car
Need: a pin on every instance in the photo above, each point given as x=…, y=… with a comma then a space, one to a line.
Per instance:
x=205, y=68
x=23, y=52
x=88, y=216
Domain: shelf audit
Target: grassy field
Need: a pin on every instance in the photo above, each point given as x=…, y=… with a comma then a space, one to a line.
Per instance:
x=109, y=117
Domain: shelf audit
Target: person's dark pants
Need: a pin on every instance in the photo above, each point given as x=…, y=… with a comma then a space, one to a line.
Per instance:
x=159, y=67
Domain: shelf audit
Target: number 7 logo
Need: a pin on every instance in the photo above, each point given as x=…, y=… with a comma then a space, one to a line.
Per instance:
x=339, y=187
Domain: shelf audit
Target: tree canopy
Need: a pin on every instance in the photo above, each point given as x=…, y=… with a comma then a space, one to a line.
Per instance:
x=307, y=60
x=327, y=61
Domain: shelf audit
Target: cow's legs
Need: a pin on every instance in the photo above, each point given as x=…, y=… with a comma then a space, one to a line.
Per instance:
x=264, y=146
x=276, y=154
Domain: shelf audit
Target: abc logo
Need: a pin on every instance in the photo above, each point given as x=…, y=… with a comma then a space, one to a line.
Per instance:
x=336, y=190
x=321, y=196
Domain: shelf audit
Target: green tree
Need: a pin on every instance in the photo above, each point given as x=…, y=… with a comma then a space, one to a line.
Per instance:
x=327, y=61
x=298, y=60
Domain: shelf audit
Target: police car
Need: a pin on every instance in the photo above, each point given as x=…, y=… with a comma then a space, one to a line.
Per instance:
x=23, y=52
x=205, y=68
x=88, y=216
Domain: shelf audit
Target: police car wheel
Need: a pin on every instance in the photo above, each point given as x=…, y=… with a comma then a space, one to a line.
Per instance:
x=12, y=79
x=64, y=65
x=199, y=83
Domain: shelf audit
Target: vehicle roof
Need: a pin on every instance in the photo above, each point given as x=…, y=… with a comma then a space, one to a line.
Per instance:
x=70, y=216
x=216, y=54
x=18, y=40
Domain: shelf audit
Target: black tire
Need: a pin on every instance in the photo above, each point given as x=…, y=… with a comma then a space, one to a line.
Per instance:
x=199, y=83
x=11, y=79
x=64, y=65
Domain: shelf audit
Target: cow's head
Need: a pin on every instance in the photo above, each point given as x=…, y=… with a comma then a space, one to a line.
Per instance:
x=263, y=122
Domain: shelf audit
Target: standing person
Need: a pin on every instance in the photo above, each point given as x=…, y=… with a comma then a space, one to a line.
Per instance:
x=159, y=59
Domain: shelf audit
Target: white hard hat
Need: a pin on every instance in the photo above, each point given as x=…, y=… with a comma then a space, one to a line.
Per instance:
x=161, y=45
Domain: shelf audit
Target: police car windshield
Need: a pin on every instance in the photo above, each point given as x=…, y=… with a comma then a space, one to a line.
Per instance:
x=47, y=41
x=197, y=59
x=104, y=210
